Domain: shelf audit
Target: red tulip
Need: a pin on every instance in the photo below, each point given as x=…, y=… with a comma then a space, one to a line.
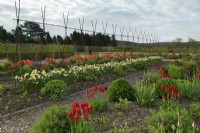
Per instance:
x=86, y=116
x=91, y=108
x=197, y=72
x=77, y=118
x=168, y=95
x=84, y=105
x=78, y=110
x=179, y=94
x=70, y=115
x=163, y=87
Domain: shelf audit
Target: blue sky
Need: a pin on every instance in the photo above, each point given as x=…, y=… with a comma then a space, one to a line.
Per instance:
x=168, y=19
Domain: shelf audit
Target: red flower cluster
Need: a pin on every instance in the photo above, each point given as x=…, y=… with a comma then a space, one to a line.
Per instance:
x=12, y=67
x=25, y=62
x=160, y=68
x=186, y=68
x=50, y=60
x=92, y=56
x=106, y=55
x=127, y=54
x=66, y=61
x=77, y=111
x=172, y=92
x=80, y=58
x=90, y=92
x=164, y=75
x=197, y=73
x=103, y=89
x=116, y=55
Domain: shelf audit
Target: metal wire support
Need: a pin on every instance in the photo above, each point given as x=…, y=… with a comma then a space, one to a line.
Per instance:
x=104, y=31
x=43, y=11
x=81, y=28
x=65, y=24
x=18, y=47
x=127, y=32
x=94, y=27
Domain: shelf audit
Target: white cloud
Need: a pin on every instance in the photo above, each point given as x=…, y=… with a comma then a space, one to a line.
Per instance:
x=167, y=18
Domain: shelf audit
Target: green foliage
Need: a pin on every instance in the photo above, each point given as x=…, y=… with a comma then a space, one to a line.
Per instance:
x=151, y=76
x=177, y=72
x=55, y=89
x=99, y=104
x=122, y=104
x=189, y=89
x=118, y=71
x=90, y=76
x=81, y=127
x=169, y=104
x=167, y=119
x=54, y=120
x=120, y=88
x=141, y=65
x=1, y=89
x=145, y=94
x=195, y=110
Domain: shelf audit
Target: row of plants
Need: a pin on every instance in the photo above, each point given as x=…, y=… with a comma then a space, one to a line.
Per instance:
x=23, y=66
x=75, y=74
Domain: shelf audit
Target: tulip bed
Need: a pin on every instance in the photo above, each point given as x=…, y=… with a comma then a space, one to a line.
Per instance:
x=31, y=83
x=167, y=101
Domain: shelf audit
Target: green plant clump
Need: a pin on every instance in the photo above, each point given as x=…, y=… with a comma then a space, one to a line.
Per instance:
x=120, y=88
x=99, y=104
x=1, y=90
x=54, y=120
x=55, y=89
x=145, y=94
x=169, y=121
x=119, y=71
x=195, y=110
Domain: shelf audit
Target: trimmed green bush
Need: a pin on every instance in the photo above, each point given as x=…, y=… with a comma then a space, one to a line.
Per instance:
x=167, y=118
x=120, y=88
x=54, y=120
x=195, y=110
x=55, y=89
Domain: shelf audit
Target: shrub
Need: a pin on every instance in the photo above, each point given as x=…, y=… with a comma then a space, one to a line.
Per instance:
x=145, y=94
x=195, y=110
x=167, y=118
x=118, y=71
x=99, y=104
x=141, y=65
x=54, y=120
x=55, y=89
x=1, y=90
x=120, y=88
